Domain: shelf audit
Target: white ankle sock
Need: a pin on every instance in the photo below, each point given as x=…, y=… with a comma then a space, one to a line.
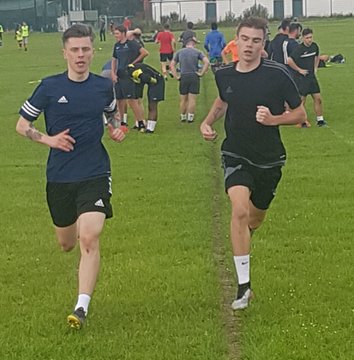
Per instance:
x=151, y=125
x=242, y=264
x=83, y=301
x=190, y=117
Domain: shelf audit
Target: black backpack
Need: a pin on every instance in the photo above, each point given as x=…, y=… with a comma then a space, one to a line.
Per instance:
x=338, y=59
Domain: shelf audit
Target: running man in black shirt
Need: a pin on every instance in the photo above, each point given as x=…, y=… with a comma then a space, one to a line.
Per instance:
x=252, y=93
x=304, y=61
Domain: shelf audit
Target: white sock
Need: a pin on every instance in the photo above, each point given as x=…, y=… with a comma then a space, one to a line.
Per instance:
x=125, y=118
x=242, y=264
x=190, y=117
x=319, y=118
x=183, y=116
x=83, y=301
x=151, y=125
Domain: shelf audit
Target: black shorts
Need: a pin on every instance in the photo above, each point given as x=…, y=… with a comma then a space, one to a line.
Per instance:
x=261, y=182
x=125, y=89
x=165, y=57
x=307, y=85
x=156, y=92
x=189, y=84
x=139, y=90
x=67, y=201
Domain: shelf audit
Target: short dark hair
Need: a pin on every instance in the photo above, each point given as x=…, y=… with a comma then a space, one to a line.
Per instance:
x=293, y=27
x=214, y=26
x=255, y=23
x=285, y=24
x=190, y=25
x=121, y=29
x=78, y=31
x=307, y=31
x=166, y=26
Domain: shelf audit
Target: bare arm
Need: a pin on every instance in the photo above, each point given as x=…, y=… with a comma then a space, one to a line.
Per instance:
x=205, y=66
x=62, y=141
x=317, y=62
x=292, y=117
x=216, y=112
x=114, y=70
x=173, y=69
x=143, y=53
x=225, y=60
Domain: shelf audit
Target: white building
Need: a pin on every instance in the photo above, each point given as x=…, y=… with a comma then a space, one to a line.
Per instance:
x=215, y=10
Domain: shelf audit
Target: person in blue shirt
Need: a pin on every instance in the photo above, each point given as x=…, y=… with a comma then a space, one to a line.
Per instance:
x=214, y=43
x=78, y=167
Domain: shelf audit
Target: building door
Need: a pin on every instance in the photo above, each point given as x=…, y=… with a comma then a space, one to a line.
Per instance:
x=297, y=8
x=278, y=9
x=210, y=11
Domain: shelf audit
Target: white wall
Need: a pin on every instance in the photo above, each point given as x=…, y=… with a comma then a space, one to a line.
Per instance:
x=194, y=10
x=324, y=7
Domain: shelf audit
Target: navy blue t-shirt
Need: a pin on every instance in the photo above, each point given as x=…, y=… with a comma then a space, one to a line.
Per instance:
x=125, y=53
x=77, y=106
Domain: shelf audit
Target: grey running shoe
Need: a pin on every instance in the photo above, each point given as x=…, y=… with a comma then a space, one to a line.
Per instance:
x=77, y=319
x=242, y=302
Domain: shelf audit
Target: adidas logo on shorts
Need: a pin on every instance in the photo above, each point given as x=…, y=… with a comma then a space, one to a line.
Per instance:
x=99, y=203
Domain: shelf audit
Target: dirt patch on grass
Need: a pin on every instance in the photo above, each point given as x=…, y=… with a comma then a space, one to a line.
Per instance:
x=226, y=275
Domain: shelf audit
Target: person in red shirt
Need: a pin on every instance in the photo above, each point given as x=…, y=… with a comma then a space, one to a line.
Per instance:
x=167, y=42
x=127, y=23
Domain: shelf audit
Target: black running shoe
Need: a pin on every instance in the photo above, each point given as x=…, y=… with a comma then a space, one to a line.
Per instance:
x=321, y=123
x=77, y=319
x=141, y=126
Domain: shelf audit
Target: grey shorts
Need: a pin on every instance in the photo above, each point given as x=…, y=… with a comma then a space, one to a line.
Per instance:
x=189, y=84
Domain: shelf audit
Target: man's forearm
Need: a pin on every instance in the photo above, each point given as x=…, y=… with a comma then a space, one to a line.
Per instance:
x=27, y=129
x=216, y=112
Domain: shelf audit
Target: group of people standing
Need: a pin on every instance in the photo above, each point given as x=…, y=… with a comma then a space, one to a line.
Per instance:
x=302, y=60
x=130, y=73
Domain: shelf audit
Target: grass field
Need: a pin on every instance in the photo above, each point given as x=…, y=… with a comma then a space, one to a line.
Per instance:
x=167, y=272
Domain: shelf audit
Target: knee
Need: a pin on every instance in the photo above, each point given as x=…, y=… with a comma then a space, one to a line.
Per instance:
x=239, y=213
x=89, y=243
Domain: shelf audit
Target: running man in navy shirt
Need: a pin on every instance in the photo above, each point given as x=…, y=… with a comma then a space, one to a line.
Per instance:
x=78, y=168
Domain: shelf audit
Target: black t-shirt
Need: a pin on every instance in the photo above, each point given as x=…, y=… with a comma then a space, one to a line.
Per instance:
x=142, y=73
x=304, y=56
x=275, y=48
x=270, y=85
